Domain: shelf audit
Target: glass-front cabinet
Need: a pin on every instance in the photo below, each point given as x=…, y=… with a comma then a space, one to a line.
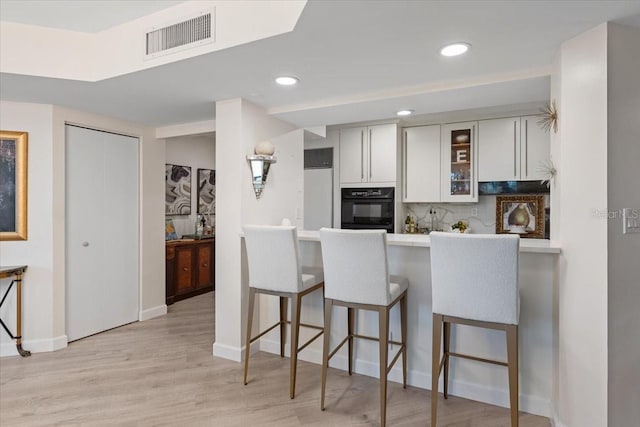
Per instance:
x=459, y=163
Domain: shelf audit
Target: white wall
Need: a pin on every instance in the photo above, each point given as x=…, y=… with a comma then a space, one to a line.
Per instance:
x=44, y=283
x=239, y=126
x=37, y=251
x=623, y=52
x=582, y=293
x=198, y=152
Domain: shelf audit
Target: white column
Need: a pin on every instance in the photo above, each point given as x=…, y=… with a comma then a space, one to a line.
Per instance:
x=239, y=126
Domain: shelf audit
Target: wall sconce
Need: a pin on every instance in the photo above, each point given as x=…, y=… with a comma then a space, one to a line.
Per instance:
x=260, y=163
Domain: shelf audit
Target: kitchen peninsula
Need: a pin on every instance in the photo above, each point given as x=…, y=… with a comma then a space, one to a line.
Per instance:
x=409, y=255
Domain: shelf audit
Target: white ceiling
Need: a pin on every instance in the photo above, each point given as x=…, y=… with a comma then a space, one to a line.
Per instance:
x=357, y=60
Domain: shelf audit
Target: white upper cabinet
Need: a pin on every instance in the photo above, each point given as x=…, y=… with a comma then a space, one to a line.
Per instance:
x=536, y=147
x=511, y=149
x=459, y=179
x=499, y=149
x=368, y=155
x=421, y=164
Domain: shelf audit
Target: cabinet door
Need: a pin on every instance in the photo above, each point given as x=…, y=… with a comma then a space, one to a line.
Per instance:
x=535, y=148
x=184, y=269
x=499, y=149
x=352, y=146
x=421, y=156
x=204, y=277
x=459, y=179
x=382, y=151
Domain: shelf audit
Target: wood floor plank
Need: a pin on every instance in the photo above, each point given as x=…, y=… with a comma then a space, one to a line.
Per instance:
x=161, y=373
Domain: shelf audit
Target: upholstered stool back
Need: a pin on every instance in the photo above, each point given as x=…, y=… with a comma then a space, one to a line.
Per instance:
x=475, y=276
x=355, y=266
x=274, y=262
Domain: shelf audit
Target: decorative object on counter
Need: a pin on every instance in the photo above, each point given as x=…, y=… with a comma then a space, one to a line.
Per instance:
x=13, y=185
x=178, y=190
x=522, y=215
x=460, y=227
x=548, y=171
x=260, y=164
x=433, y=219
x=206, y=191
x=410, y=225
x=549, y=117
x=169, y=230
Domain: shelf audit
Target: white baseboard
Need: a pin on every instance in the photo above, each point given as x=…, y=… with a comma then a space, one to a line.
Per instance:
x=422, y=379
x=34, y=346
x=152, y=312
x=234, y=353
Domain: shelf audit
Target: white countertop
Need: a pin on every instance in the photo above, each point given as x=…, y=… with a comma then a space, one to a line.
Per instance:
x=422, y=240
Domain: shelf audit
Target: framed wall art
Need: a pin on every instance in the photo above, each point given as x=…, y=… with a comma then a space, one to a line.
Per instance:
x=13, y=185
x=522, y=214
x=207, y=191
x=178, y=190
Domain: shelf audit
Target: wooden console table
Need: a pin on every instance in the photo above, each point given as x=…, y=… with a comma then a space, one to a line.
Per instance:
x=7, y=272
x=190, y=268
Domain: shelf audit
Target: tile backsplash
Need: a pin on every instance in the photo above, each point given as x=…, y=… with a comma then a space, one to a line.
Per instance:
x=480, y=216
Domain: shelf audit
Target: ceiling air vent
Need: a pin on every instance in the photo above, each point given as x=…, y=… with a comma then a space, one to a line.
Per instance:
x=189, y=33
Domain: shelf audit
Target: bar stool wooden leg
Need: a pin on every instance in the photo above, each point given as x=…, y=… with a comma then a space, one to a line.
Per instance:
x=295, y=335
x=435, y=365
x=403, y=335
x=283, y=323
x=383, y=313
x=328, y=306
x=247, y=348
x=351, y=331
x=512, y=361
x=446, y=339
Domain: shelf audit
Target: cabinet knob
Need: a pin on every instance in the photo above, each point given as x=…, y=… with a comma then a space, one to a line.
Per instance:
x=85, y=244
x=205, y=265
x=185, y=269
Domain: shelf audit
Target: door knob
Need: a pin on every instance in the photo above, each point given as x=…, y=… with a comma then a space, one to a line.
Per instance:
x=85, y=244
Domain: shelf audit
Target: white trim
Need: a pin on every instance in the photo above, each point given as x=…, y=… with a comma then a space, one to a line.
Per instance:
x=152, y=312
x=35, y=346
x=184, y=129
x=235, y=353
x=480, y=392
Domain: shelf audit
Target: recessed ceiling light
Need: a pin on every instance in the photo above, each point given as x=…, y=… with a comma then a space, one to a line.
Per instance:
x=404, y=112
x=287, y=80
x=455, y=49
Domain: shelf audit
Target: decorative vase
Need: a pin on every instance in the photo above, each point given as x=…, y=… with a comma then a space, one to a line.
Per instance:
x=519, y=217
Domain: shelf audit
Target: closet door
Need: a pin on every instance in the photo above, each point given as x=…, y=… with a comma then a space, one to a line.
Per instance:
x=102, y=256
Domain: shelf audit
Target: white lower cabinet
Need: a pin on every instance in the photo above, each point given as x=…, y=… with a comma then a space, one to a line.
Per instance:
x=421, y=164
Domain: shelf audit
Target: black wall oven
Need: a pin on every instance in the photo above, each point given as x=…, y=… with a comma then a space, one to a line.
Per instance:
x=368, y=208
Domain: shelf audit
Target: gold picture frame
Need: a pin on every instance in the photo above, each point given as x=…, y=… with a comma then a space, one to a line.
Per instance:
x=13, y=185
x=523, y=215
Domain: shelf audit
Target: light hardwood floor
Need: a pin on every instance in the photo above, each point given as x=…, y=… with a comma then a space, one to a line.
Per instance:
x=161, y=373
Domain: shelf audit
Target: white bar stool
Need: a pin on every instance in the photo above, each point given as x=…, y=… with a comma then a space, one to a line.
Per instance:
x=474, y=281
x=357, y=277
x=274, y=269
